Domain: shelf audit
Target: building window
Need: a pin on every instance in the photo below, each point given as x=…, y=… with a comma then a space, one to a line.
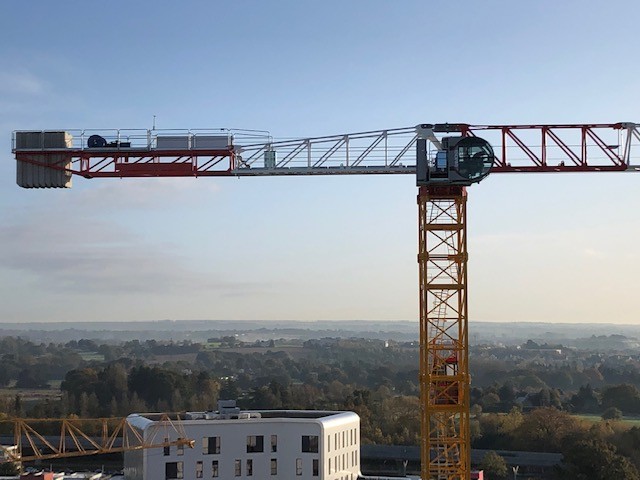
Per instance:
x=274, y=466
x=298, y=466
x=329, y=466
x=255, y=443
x=310, y=443
x=315, y=467
x=173, y=471
x=198, y=469
x=335, y=441
x=167, y=448
x=274, y=443
x=215, y=470
x=249, y=467
x=238, y=467
x=180, y=448
x=328, y=443
x=210, y=445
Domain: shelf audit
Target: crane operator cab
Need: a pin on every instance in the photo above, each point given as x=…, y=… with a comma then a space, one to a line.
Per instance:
x=457, y=161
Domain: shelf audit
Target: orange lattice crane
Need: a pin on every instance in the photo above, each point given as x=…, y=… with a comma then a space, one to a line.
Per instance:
x=44, y=439
x=445, y=158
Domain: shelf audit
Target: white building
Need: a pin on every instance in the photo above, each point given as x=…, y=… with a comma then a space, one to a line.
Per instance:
x=282, y=444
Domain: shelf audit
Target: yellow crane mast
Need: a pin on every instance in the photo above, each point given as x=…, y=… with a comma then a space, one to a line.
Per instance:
x=444, y=357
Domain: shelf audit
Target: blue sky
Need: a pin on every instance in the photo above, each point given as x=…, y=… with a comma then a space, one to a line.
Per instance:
x=543, y=248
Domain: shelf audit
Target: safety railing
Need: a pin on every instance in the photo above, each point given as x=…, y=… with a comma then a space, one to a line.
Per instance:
x=386, y=149
x=134, y=139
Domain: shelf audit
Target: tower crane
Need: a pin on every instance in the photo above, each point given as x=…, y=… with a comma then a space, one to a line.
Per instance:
x=445, y=159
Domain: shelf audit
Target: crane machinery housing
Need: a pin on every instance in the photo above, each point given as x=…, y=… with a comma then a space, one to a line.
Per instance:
x=445, y=158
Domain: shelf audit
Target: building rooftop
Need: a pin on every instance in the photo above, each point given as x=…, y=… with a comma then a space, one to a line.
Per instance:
x=242, y=414
x=228, y=411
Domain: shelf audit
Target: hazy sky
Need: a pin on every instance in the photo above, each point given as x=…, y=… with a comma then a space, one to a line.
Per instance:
x=557, y=248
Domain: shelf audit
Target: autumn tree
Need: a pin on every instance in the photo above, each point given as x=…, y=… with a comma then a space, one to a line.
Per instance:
x=546, y=430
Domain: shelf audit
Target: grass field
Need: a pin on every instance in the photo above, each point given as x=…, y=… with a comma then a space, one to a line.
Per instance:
x=631, y=421
x=90, y=356
x=31, y=394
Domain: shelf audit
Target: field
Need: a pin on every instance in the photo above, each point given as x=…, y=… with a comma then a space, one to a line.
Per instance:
x=91, y=356
x=632, y=421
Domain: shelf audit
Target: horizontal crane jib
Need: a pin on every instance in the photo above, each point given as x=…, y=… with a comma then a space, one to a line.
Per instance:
x=51, y=158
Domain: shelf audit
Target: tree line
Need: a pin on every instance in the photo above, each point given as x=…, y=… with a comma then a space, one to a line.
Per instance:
x=515, y=404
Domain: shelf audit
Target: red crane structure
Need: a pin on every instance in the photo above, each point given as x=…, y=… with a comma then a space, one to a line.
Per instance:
x=445, y=158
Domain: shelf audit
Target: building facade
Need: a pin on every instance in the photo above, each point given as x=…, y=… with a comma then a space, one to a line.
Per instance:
x=229, y=444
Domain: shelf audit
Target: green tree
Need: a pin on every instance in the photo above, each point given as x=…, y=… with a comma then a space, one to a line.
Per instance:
x=9, y=469
x=494, y=466
x=507, y=394
x=154, y=384
x=612, y=413
x=5, y=377
x=229, y=390
x=80, y=381
x=511, y=421
x=625, y=397
x=596, y=460
x=585, y=400
x=17, y=406
x=489, y=401
x=32, y=377
x=628, y=444
x=476, y=410
x=113, y=382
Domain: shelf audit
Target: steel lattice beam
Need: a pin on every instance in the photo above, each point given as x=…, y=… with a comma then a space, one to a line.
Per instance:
x=73, y=438
x=519, y=148
x=444, y=357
